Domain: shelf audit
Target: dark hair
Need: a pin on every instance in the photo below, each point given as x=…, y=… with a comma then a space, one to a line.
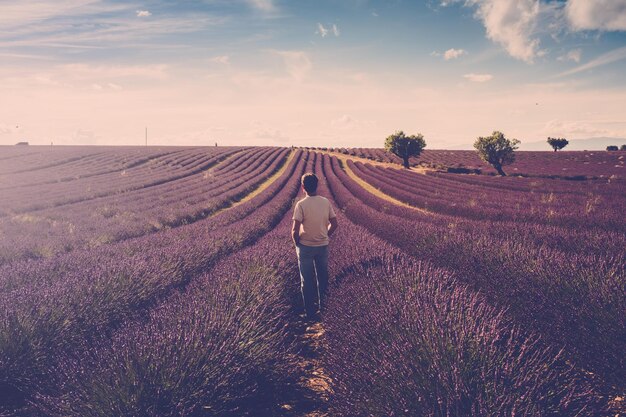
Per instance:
x=309, y=182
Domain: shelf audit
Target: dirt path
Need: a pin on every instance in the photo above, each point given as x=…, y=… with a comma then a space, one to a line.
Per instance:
x=314, y=387
x=343, y=159
x=262, y=187
x=269, y=181
x=316, y=378
x=378, y=193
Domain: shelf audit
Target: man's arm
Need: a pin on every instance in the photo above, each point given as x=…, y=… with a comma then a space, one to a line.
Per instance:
x=295, y=232
x=332, y=226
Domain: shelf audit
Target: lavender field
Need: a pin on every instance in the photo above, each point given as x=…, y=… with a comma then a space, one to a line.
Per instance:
x=162, y=281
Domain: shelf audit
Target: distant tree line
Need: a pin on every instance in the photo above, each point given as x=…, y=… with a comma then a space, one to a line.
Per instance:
x=496, y=149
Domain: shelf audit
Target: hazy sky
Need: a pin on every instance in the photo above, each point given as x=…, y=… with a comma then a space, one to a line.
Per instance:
x=310, y=72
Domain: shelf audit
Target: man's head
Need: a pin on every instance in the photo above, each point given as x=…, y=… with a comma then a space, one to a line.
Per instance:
x=309, y=183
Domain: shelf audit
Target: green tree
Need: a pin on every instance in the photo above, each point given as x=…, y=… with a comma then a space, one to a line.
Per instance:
x=622, y=148
x=557, y=143
x=405, y=146
x=496, y=150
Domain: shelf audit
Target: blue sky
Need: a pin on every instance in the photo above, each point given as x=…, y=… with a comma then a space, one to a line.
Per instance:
x=320, y=73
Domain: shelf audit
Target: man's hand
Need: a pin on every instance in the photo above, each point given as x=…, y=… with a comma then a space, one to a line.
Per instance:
x=295, y=232
x=333, y=226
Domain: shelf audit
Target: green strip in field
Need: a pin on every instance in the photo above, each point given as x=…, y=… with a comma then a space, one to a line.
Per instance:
x=373, y=190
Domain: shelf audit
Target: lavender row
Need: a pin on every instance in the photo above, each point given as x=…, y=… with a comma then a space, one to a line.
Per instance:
x=405, y=338
x=573, y=300
x=217, y=348
x=56, y=306
x=103, y=221
x=74, y=189
x=61, y=193
x=13, y=153
x=15, y=160
x=44, y=272
x=188, y=189
x=481, y=183
x=50, y=195
x=478, y=203
x=453, y=198
x=564, y=239
x=564, y=164
x=234, y=363
x=601, y=187
x=183, y=387
x=599, y=204
x=228, y=327
x=85, y=164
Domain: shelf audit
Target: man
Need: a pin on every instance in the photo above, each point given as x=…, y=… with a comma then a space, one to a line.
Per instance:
x=314, y=221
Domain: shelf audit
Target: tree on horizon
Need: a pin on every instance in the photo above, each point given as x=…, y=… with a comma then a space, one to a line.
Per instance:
x=405, y=146
x=497, y=150
x=557, y=143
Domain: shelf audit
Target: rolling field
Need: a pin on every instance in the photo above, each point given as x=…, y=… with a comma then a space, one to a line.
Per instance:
x=162, y=281
x=562, y=164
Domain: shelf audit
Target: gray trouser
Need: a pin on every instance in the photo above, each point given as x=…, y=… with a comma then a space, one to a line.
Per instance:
x=313, y=261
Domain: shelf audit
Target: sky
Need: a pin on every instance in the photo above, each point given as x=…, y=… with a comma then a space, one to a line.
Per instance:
x=336, y=73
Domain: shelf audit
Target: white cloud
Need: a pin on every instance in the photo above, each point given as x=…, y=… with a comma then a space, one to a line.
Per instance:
x=221, y=59
x=143, y=13
x=5, y=129
x=16, y=13
x=297, y=62
x=84, y=137
x=346, y=122
x=478, y=78
x=359, y=77
x=182, y=102
x=94, y=24
x=25, y=56
x=435, y=53
x=511, y=23
x=263, y=5
x=577, y=128
x=453, y=53
x=607, y=15
x=63, y=78
x=604, y=59
x=107, y=86
x=515, y=24
x=47, y=80
x=273, y=134
x=322, y=30
x=343, y=122
x=573, y=55
x=86, y=71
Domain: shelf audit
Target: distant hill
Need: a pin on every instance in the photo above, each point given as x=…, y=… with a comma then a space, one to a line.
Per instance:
x=591, y=144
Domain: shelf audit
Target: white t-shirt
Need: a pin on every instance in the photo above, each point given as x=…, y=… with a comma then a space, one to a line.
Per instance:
x=314, y=212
